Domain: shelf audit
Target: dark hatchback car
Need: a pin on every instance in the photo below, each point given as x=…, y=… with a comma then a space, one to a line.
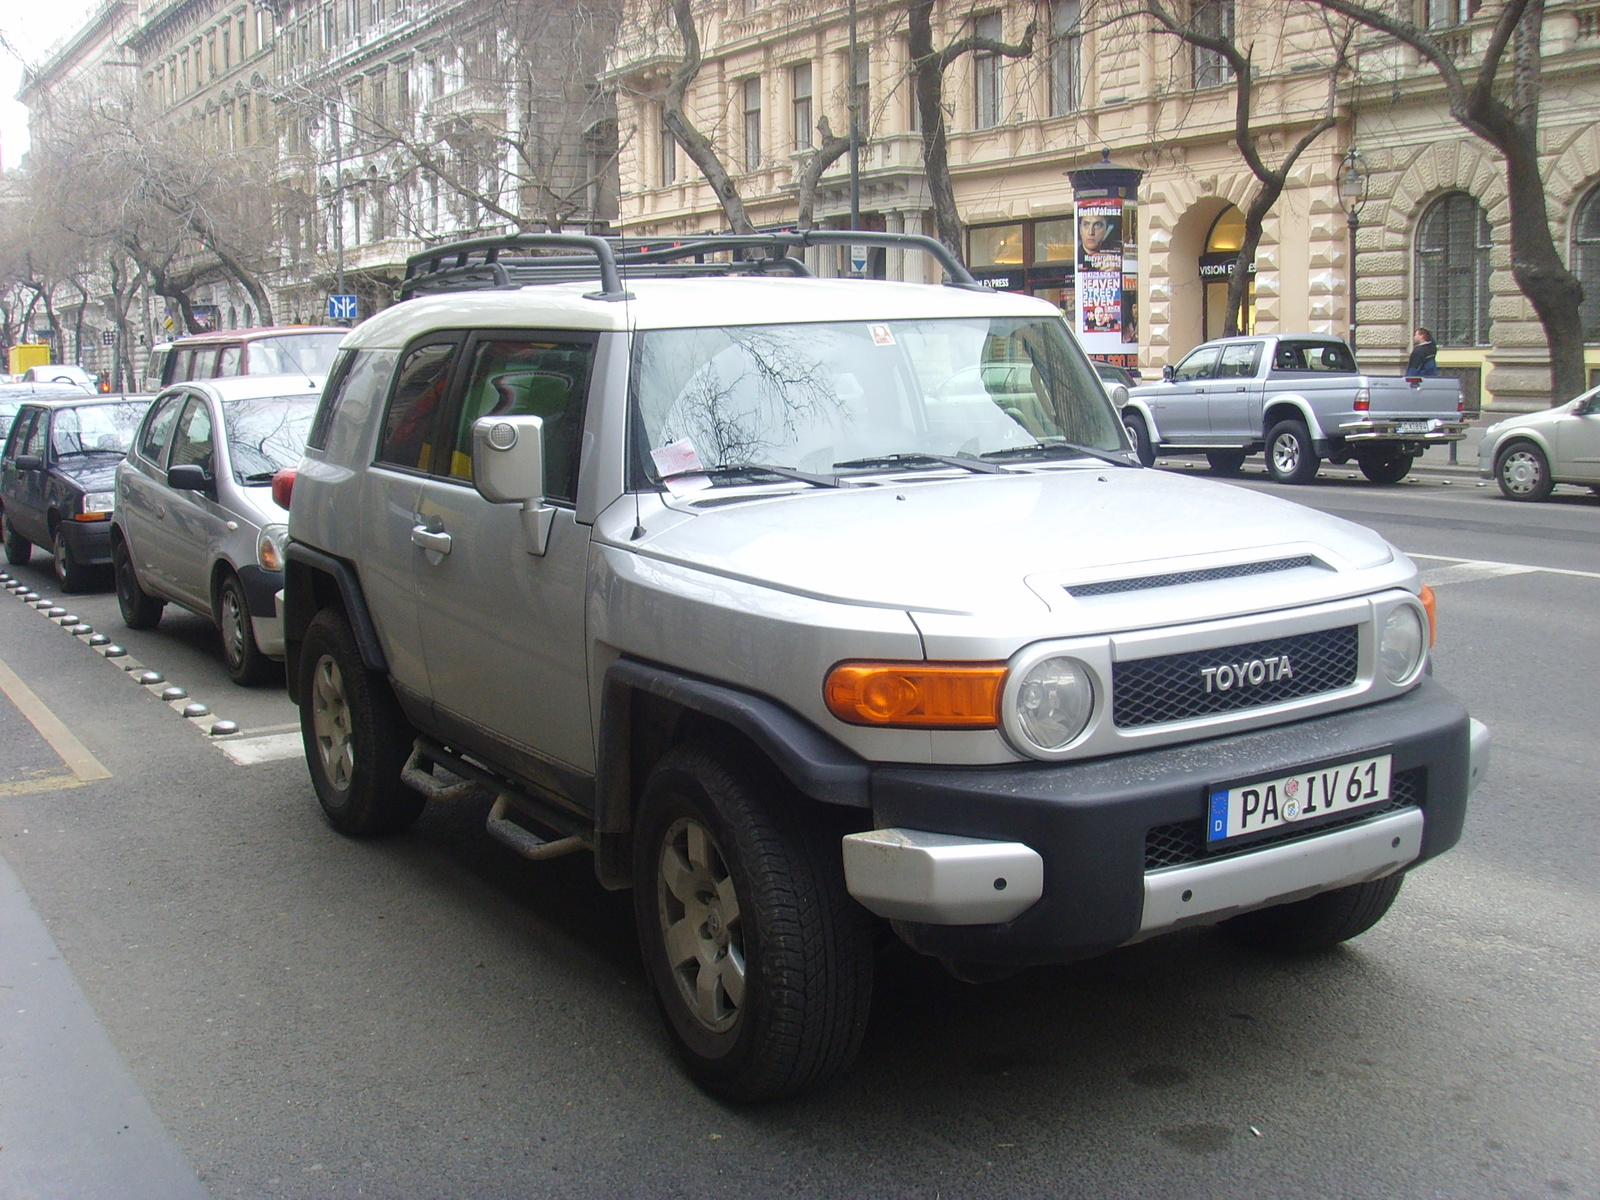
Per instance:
x=56, y=473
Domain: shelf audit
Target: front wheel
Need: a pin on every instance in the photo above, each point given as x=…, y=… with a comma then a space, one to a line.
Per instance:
x=1225, y=462
x=1523, y=472
x=70, y=574
x=247, y=666
x=760, y=959
x=356, y=738
x=140, y=610
x=1139, y=434
x=18, y=548
x=1390, y=467
x=1291, y=458
x=1319, y=922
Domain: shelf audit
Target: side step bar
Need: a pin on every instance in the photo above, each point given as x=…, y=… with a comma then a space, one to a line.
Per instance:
x=418, y=775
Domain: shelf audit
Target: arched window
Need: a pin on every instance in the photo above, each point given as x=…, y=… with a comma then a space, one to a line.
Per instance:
x=1586, y=262
x=1452, y=271
x=1223, y=241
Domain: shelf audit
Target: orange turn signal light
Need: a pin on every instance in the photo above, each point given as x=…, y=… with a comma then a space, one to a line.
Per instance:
x=1432, y=607
x=916, y=695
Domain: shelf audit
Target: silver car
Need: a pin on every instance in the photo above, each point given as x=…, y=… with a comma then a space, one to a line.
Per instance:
x=195, y=523
x=1529, y=454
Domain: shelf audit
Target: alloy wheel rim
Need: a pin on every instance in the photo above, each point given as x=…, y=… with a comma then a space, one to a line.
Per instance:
x=701, y=927
x=330, y=723
x=232, y=628
x=1286, y=454
x=1520, y=472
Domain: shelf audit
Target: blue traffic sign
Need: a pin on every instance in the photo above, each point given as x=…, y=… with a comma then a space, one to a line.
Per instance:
x=341, y=308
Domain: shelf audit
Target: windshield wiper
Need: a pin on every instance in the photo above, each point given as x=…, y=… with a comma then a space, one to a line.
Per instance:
x=735, y=470
x=1065, y=449
x=259, y=477
x=948, y=460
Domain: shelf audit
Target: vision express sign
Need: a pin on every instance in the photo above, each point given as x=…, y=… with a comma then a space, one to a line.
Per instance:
x=1219, y=266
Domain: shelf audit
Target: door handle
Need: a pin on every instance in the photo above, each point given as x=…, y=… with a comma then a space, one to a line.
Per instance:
x=422, y=536
x=1243, y=389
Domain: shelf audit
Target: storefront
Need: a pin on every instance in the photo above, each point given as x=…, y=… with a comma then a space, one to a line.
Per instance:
x=1033, y=257
x=1217, y=263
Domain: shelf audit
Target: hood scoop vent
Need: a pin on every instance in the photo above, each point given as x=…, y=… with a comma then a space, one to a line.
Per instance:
x=1107, y=587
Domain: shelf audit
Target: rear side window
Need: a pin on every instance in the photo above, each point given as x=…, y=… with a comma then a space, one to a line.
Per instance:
x=158, y=428
x=1331, y=357
x=528, y=377
x=332, y=392
x=1239, y=361
x=419, y=389
x=229, y=360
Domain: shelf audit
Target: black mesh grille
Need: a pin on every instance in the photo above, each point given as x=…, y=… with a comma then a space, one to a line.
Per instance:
x=1150, y=691
x=1185, y=841
x=1109, y=586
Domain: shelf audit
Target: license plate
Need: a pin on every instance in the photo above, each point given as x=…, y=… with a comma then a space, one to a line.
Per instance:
x=1304, y=796
x=1413, y=426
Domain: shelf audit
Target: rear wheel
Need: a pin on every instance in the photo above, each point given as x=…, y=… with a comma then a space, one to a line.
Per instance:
x=247, y=666
x=760, y=959
x=1319, y=922
x=140, y=610
x=1391, y=466
x=1523, y=472
x=1225, y=462
x=1139, y=435
x=18, y=548
x=356, y=738
x=1291, y=458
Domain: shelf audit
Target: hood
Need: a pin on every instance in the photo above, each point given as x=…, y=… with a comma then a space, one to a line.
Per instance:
x=1001, y=543
x=90, y=472
x=259, y=508
x=1522, y=420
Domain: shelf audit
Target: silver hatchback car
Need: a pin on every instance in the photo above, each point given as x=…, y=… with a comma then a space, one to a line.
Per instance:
x=195, y=523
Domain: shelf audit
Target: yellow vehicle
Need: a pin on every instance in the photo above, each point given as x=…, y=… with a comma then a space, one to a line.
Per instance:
x=28, y=354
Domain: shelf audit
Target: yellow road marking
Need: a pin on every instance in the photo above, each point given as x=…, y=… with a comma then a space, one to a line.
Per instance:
x=50, y=783
x=73, y=753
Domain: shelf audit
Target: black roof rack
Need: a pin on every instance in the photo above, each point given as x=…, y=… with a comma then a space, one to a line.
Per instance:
x=517, y=260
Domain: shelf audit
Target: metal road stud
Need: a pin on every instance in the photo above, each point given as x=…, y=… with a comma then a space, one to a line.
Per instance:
x=70, y=618
x=174, y=693
x=99, y=639
x=54, y=611
x=223, y=728
x=113, y=650
x=81, y=629
x=150, y=678
x=195, y=709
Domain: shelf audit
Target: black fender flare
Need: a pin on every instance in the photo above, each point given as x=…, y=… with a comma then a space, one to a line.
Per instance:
x=301, y=566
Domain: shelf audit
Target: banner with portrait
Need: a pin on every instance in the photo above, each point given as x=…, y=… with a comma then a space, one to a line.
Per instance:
x=1107, y=267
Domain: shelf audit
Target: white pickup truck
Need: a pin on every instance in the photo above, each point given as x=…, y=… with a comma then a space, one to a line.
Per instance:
x=1298, y=397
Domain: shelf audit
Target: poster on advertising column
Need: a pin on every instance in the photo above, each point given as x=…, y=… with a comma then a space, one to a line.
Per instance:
x=1108, y=278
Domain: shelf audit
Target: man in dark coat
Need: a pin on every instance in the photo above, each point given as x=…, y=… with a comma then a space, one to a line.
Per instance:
x=1424, y=360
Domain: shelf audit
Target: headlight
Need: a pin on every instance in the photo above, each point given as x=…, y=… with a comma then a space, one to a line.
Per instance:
x=269, y=546
x=99, y=503
x=1401, y=648
x=1053, y=702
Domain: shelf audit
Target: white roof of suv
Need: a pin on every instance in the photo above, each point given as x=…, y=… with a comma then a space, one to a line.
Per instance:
x=689, y=303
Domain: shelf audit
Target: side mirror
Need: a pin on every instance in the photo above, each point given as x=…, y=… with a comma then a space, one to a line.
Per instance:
x=1167, y=373
x=508, y=468
x=190, y=477
x=29, y=462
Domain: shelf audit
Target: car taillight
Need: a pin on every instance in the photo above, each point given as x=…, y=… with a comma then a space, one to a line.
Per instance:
x=283, y=487
x=1363, y=400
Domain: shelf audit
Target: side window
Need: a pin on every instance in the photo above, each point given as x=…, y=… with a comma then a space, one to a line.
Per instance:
x=229, y=360
x=527, y=377
x=158, y=427
x=1239, y=361
x=21, y=429
x=205, y=364
x=1197, y=366
x=419, y=387
x=332, y=391
x=184, y=371
x=39, y=435
x=192, y=443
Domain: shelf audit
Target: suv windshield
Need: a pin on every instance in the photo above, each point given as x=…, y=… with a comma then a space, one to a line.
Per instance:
x=266, y=434
x=295, y=354
x=96, y=428
x=817, y=397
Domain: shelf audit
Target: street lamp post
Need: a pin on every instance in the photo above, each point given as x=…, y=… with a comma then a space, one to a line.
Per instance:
x=1353, y=181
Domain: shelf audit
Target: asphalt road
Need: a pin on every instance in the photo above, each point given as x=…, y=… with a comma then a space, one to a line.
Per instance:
x=300, y=1015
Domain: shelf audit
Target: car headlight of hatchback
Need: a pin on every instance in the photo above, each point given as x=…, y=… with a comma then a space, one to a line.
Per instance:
x=1052, y=703
x=97, y=505
x=1403, y=644
x=269, y=546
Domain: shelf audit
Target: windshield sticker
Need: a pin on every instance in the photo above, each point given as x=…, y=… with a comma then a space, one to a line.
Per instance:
x=675, y=458
x=687, y=485
x=881, y=335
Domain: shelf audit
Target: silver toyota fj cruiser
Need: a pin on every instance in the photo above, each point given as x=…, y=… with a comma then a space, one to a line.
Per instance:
x=810, y=605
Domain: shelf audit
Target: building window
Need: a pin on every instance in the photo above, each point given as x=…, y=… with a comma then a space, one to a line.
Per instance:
x=1444, y=14
x=986, y=75
x=752, y=123
x=668, y=165
x=1452, y=271
x=1066, y=51
x=800, y=92
x=1214, y=17
x=227, y=47
x=861, y=80
x=1586, y=262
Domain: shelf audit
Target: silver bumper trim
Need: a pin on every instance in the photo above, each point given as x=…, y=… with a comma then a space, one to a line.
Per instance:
x=939, y=879
x=1204, y=893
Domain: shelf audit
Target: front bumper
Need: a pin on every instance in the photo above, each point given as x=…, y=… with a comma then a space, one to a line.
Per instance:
x=89, y=541
x=1089, y=823
x=261, y=588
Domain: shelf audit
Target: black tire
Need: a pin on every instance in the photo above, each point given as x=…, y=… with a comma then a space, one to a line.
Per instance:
x=1319, y=922
x=805, y=946
x=1523, y=472
x=140, y=610
x=1139, y=434
x=1389, y=467
x=70, y=574
x=1225, y=462
x=1291, y=458
x=18, y=548
x=247, y=666
x=356, y=738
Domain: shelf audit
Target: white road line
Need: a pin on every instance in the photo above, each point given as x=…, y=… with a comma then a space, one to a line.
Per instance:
x=1496, y=568
x=1471, y=572
x=247, y=752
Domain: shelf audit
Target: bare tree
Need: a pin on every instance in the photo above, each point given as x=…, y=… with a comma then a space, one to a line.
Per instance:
x=675, y=115
x=928, y=67
x=832, y=149
x=1497, y=99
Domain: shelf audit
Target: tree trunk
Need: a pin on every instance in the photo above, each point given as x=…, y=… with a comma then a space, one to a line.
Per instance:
x=1255, y=216
x=928, y=77
x=831, y=150
x=695, y=144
